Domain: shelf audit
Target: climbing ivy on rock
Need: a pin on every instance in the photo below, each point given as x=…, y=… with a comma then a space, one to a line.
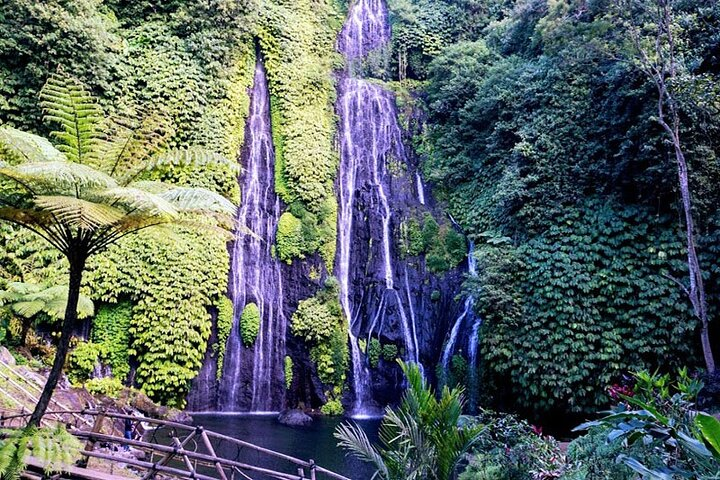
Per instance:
x=576, y=307
x=172, y=276
x=249, y=324
x=225, y=311
x=110, y=329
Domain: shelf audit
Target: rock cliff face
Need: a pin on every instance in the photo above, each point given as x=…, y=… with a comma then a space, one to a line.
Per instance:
x=387, y=293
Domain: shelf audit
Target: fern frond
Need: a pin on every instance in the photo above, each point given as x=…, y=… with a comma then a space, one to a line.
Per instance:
x=78, y=213
x=58, y=177
x=138, y=200
x=198, y=200
x=152, y=186
x=25, y=147
x=131, y=143
x=54, y=302
x=67, y=103
x=28, y=309
x=192, y=156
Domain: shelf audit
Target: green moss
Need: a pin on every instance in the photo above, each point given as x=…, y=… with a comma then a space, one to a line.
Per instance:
x=224, y=325
x=250, y=324
x=374, y=351
x=288, y=372
x=320, y=322
x=435, y=295
x=389, y=352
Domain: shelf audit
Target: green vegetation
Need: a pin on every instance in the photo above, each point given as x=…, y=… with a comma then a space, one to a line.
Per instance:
x=55, y=447
x=288, y=372
x=320, y=322
x=422, y=438
x=111, y=330
x=83, y=359
x=443, y=247
x=224, y=326
x=84, y=195
x=373, y=352
x=250, y=324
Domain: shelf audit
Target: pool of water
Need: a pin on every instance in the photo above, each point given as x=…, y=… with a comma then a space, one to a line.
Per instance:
x=315, y=442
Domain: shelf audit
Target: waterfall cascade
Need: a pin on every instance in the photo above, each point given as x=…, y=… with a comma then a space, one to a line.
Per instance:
x=370, y=138
x=466, y=318
x=256, y=276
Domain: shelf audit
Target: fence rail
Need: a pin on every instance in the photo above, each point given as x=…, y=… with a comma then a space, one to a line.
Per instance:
x=188, y=447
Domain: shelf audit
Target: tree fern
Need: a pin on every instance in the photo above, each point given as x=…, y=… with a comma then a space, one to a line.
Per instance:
x=67, y=103
x=76, y=195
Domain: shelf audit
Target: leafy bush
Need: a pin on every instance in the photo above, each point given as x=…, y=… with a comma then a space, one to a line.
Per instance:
x=108, y=386
x=83, y=360
x=250, y=324
x=224, y=326
x=510, y=449
x=374, y=350
x=332, y=408
x=663, y=435
x=389, y=352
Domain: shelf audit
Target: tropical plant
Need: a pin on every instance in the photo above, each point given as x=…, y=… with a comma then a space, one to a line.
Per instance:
x=660, y=416
x=54, y=447
x=88, y=192
x=422, y=439
x=28, y=300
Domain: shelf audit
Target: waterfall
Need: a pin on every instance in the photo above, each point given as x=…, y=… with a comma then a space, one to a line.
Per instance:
x=420, y=188
x=255, y=275
x=466, y=316
x=369, y=137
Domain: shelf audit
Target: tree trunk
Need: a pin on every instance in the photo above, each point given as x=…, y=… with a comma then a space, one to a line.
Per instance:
x=77, y=266
x=697, y=287
x=24, y=333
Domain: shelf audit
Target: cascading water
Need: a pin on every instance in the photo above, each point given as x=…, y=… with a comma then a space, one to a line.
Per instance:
x=370, y=137
x=256, y=276
x=420, y=188
x=468, y=317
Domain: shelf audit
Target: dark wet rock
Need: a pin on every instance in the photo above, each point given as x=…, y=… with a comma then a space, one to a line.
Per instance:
x=295, y=418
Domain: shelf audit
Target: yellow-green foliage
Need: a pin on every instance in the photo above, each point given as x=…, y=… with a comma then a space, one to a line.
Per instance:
x=320, y=322
x=250, y=324
x=298, y=44
x=288, y=371
x=108, y=386
x=172, y=277
x=224, y=325
x=333, y=407
x=55, y=448
x=290, y=241
x=111, y=330
x=82, y=360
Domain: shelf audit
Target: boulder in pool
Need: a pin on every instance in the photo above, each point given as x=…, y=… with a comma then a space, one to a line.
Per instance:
x=295, y=418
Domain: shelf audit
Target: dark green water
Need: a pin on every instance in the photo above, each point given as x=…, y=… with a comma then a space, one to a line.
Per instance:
x=312, y=442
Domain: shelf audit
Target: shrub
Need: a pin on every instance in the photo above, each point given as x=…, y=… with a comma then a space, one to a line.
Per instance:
x=333, y=408
x=389, y=352
x=83, y=359
x=250, y=324
x=108, y=386
x=288, y=372
x=374, y=351
x=110, y=329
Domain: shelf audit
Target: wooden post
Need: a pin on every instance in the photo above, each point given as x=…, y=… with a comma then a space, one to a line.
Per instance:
x=90, y=444
x=167, y=457
x=312, y=469
x=189, y=466
x=211, y=451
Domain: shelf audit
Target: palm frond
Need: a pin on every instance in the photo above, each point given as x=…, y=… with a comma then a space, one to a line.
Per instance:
x=26, y=147
x=199, y=200
x=58, y=177
x=79, y=213
x=67, y=103
x=356, y=442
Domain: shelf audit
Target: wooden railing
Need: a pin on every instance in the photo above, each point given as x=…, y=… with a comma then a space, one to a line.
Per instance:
x=175, y=449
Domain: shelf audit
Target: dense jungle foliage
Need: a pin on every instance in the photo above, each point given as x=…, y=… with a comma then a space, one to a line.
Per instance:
x=536, y=130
